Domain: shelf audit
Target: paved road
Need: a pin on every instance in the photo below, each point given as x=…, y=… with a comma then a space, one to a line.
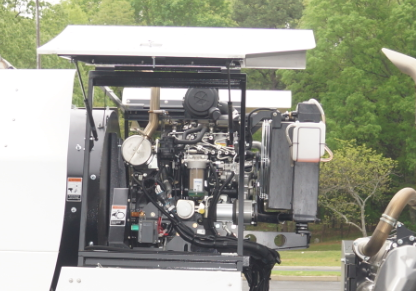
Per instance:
x=300, y=286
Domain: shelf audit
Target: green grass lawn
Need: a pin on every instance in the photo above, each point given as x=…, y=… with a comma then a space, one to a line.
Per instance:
x=311, y=258
x=306, y=273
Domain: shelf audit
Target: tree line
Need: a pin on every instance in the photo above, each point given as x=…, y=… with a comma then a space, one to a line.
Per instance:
x=368, y=102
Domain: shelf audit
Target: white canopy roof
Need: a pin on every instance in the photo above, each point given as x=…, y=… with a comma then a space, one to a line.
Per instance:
x=254, y=48
x=254, y=98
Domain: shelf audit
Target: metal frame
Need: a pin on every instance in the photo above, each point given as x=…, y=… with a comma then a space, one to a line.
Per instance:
x=164, y=79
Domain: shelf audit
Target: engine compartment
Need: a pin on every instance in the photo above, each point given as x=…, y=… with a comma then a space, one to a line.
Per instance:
x=180, y=178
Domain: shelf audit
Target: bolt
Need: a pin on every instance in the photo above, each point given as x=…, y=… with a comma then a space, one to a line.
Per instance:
x=91, y=243
x=394, y=245
x=78, y=147
x=152, y=214
x=400, y=241
x=275, y=114
x=399, y=224
x=78, y=280
x=195, y=225
x=73, y=209
x=71, y=280
x=144, y=175
x=411, y=238
x=217, y=225
x=93, y=177
x=366, y=259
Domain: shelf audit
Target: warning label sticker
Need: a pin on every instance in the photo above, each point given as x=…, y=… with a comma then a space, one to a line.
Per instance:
x=118, y=215
x=74, y=189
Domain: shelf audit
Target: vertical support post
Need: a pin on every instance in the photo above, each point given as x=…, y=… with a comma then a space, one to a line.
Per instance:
x=85, y=177
x=38, y=64
x=241, y=153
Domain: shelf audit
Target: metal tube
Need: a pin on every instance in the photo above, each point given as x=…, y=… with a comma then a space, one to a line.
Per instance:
x=256, y=145
x=388, y=221
x=153, y=117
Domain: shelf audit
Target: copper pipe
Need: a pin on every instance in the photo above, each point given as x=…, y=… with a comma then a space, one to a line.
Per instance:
x=388, y=220
x=153, y=117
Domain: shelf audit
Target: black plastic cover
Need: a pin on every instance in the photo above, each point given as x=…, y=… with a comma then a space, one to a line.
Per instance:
x=198, y=101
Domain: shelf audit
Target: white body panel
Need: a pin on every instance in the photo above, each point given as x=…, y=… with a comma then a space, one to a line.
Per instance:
x=258, y=48
x=308, y=142
x=254, y=98
x=34, y=132
x=110, y=279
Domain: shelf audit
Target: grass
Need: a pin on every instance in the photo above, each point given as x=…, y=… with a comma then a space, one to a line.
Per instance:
x=306, y=273
x=324, y=246
x=311, y=258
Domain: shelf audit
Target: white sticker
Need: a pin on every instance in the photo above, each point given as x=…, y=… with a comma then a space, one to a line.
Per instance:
x=74, y=189
x=198, y=184
x=118, y=215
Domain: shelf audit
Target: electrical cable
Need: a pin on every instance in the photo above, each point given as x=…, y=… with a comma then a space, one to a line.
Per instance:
x=263, y=258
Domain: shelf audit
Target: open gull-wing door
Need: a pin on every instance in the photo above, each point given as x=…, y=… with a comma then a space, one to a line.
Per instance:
x=183, y=47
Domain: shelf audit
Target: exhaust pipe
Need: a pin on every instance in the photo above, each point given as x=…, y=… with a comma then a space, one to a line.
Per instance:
x=388, y=221
x=153, y=117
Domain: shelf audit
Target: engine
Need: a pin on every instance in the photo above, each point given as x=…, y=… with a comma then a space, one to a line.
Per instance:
x=186, y=170
x=188, y=184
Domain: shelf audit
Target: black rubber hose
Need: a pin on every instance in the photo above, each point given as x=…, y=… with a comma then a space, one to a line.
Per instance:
x=202, y=130
x=212, y=212
x=262, y=259
x=217, y=182
x=266, y=255
x=250, y=134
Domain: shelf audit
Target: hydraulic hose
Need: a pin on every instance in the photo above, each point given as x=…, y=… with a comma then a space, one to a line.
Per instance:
x=388, y=221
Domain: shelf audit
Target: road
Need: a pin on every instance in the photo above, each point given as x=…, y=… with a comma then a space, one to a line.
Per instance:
x=300, y=286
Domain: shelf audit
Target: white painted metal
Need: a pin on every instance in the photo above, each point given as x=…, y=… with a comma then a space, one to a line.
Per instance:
x=103, y=279
x=308, y=143
x=254, y=98
x=26, y=270
x=404, y=63
x=34, y=130
x=259, y=48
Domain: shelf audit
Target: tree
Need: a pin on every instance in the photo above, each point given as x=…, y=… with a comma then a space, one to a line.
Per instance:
x=18, y=40
x=266, y=14
x=364, y=96
x=114, y=12
x=354, y=177
x=210, y=13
